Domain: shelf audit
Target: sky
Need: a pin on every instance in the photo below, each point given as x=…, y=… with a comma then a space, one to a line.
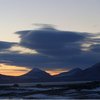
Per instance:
x=76, y=15
x=19, y=20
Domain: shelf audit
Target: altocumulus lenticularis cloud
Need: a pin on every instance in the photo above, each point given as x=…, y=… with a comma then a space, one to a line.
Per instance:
x=55, y=49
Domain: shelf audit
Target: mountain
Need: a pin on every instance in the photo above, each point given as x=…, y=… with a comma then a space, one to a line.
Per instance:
x=92, y=73
x=37, y=75
x=8, y=79
x=69, y=73
x=72, y=75
x=89, y=74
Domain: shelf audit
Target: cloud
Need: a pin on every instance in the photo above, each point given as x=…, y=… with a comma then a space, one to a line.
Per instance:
x=85, y=59
x=6, y=45
x=24, y=70
x=96, y=48
x=55, y=49
x=25, y=60
x=51, y=41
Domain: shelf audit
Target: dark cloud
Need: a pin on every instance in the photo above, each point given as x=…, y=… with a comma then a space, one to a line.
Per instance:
x=56, y=49
x=25, y=60
x=96, y=48
x=85, y=60
x=51, y=41
x=6, y=45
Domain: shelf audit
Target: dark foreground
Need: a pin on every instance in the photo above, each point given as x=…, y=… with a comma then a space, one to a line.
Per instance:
x=85, y=90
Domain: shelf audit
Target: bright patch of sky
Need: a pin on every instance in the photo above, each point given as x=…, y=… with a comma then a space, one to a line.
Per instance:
x=74, y=15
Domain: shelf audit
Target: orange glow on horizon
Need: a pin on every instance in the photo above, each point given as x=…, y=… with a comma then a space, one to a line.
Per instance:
x=18, y=71
x=12, y=70
x=56, y=71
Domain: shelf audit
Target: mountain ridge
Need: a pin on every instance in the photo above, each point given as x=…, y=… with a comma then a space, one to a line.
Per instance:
x=38, y=75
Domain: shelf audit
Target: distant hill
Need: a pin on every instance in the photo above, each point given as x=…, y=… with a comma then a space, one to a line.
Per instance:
x=7, y=79
x=37, y=75
x=70, y=73
x=92, y=73
x=89, y=74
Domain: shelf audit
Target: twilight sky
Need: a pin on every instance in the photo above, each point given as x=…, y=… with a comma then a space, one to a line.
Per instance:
x=75, y=39
x=76, y=15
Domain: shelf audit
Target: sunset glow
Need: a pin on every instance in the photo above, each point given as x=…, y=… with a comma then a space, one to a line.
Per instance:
x=17, y=71
x=23, y=50
x=57, y=71
x=12, y=70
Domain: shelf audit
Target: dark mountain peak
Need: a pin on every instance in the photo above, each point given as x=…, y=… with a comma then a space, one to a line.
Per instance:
x=37, y=73
x=36, y=70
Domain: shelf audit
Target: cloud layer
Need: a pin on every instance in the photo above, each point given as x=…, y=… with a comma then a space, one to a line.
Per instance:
x=6, y=45
x=55, y=49
x=51, y=41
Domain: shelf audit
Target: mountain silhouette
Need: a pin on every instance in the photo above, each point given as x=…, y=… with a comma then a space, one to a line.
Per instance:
x=7, y=79
x=89, y=74
x=35, y=75
x=92, y=73
x=38, y=75
x=69, y=73
x=72, y=75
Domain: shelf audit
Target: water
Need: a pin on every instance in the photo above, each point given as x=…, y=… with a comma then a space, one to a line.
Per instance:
x=46, y=83
x=31, y=91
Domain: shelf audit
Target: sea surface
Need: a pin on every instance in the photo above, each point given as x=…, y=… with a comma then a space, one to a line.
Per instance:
x=48, y=90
